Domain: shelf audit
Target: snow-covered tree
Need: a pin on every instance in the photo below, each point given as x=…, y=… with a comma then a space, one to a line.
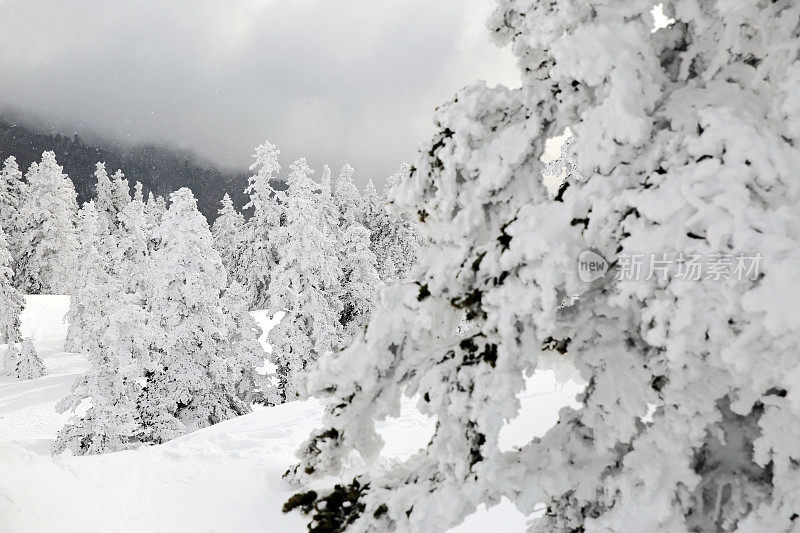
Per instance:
x=258, y=256
x=154, y=209
x=245, y=350
x=20, y=359
x=394, y=234
x=347, y=198
x=120, y=191
x=47, y=237
x=109, y=321
x=22, y=362
x=360, y=280
x=228, y=235
x=12, y=191
x=305, y=284
x=191, y=383
x=686, y=139
x=401, y=236
x=11, y=300
x=119, y=359
x=87, y=314
x=371, y=205
x=329, y=210
x=104, y=196
x=121, y=339
x=357, y=261
x=138, y=192
x=131, y=257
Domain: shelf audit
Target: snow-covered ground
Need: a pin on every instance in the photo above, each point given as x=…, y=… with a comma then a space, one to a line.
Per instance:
x=225, y=478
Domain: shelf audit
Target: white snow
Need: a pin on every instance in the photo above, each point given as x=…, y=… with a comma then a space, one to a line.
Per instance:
x=223, y=478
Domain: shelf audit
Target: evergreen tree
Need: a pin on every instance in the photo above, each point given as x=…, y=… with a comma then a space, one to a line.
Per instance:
x=138, y=192
x=227, y=232
x=245, y=350
x=118, y=360
x=121, y=191
x=12, y=190
x=358, y=263
x=327, y=205
x=348, y=199
x=11, y=301
x=304, y=284
x=22, y=362
x=20, y=359
x=397, y=232
x=104, y=196
x=686, y=142
x=258, y=255
x=154, y=209
x=360, y=280
x=47, y=239
x=87, y=314
x=121, y=349
x=371, y=205
x=191, y=383
x=131, y=257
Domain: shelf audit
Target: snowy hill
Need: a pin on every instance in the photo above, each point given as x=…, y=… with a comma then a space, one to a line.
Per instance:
x=223, y=478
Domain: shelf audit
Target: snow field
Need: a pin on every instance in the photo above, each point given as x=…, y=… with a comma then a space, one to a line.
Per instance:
x=225, y=478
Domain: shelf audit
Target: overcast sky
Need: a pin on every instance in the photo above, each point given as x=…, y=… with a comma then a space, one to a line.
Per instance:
x=333, y=80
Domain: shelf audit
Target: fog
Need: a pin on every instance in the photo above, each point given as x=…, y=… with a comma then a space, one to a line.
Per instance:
x=336, y=81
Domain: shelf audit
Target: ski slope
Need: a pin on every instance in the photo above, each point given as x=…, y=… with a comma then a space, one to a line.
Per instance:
x=225, y=478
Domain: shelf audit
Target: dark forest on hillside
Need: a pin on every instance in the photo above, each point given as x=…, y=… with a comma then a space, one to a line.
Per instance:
x=159, y=169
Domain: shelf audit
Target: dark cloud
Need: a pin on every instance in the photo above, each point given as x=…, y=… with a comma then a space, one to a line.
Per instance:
x=334, y=80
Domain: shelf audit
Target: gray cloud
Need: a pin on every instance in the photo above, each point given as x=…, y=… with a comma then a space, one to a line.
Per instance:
x=333, y=80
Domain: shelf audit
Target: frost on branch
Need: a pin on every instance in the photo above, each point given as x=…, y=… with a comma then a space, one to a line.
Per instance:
x=686, y=140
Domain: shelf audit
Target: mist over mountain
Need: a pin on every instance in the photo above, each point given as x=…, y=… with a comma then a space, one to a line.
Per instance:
x=160, y=169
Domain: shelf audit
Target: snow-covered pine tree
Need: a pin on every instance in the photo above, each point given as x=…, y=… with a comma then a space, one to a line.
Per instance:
x=22, y=362
x=138, y=192
x=12, y=302
x=371, y=205
x=228, y=235
x=47, y=236
x=120, y=191
x=118, y=358
x=131, y=257
x=104, y=196
x=258, y=257
x=120, y=351
x=154, y=209
x=87, y=314
x=20, y=359
x=687, y=140
x=328, y=208
x=400, y=235
x=357, y=261
x=245, y=352
x=394, y=235
x=191, y=384
x=360, y=280
x=347, y=198
x=110, y=423
x=12, y=190
x=304, y=284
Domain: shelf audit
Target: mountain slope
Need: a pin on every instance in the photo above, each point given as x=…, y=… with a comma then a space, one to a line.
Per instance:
x=161, y=170
x=225, y=477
